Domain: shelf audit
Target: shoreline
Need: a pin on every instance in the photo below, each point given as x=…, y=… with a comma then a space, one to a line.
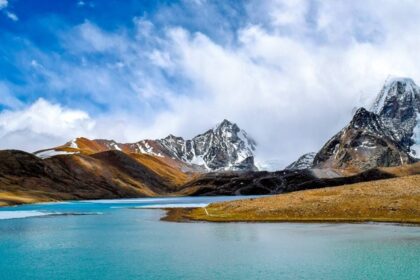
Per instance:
x=8, y=199
x=183, y=215
x=394, y=200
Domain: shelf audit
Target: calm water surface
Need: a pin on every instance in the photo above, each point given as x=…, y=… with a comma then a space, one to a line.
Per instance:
x=112, y=240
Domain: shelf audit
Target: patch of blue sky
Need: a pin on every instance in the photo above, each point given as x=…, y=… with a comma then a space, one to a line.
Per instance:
x=34, y=50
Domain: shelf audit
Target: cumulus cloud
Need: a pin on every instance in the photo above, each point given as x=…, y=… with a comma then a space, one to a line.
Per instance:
x=293, y=91
x=41, y=125
x=291, y=76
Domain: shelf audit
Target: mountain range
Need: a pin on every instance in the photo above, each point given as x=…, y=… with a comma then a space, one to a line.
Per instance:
x=386, y=135
x=219, y=161
x=225, y=147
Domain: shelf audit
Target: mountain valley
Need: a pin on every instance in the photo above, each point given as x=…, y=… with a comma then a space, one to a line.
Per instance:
x=377, y=144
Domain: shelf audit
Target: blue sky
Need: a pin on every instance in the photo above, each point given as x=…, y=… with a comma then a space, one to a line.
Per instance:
x=44, y=32
x=289, y=72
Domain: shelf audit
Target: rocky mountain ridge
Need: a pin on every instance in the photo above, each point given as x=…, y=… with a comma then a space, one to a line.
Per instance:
x=88, y=169
x=25, y=178
x=303, y=162
x=398, y=106
x=387, y=135
x=363, y=144
x=225, y=147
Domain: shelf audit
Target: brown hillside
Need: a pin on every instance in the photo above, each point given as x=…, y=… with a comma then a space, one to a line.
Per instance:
x=112, y=174
x=391, y=200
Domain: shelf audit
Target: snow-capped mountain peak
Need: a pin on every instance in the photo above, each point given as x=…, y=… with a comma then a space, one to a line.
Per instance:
x=398, y=106
x=224, y=123
x=395, y=88
x=225, y=147
x=231, y=132
x=363, y=144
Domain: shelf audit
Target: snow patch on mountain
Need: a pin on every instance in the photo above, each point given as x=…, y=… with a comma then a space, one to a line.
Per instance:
x=145, y=148
x=303, y=162
x=73, y=144
x=199, y=160
x=114, y=146
x=415, y=149
x=50, y=153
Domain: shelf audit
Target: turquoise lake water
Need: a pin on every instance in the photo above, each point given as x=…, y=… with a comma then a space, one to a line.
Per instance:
x=111, y=240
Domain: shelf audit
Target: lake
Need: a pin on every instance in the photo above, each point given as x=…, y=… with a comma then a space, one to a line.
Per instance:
x=111, y=239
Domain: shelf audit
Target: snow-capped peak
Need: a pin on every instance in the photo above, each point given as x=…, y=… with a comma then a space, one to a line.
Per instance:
x=172, y=137
x=396, y=79
x=225, y=147
x=398, y=106
x=394, y=87
x=230, y=130
x=223, y=124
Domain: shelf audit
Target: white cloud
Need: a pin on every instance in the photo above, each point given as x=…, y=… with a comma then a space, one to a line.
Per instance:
x=92, y=39
x=290, y=12
x=12, y=16
x=3, y=4
x=42, y=125
x=9, y=14
x=291, y=79
x=292, y=91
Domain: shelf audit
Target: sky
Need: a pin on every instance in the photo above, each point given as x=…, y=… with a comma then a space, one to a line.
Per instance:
x=290, y=73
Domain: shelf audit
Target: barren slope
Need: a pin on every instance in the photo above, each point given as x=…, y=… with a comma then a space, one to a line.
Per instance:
x=25, y=178
x=390, y=200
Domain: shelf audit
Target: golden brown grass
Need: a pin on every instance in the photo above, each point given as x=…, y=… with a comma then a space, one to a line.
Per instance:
x=392, y=200
x=403, y=170
x=165, y=170
x=15, y=198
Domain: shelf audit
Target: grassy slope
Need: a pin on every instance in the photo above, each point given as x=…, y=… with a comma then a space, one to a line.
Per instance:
x=28, y=179
x=391, y=200
x=16, y=194
x=169, y=171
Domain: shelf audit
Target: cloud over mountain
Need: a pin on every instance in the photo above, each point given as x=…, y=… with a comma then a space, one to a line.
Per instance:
x=41, y=123
x=288, y=72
